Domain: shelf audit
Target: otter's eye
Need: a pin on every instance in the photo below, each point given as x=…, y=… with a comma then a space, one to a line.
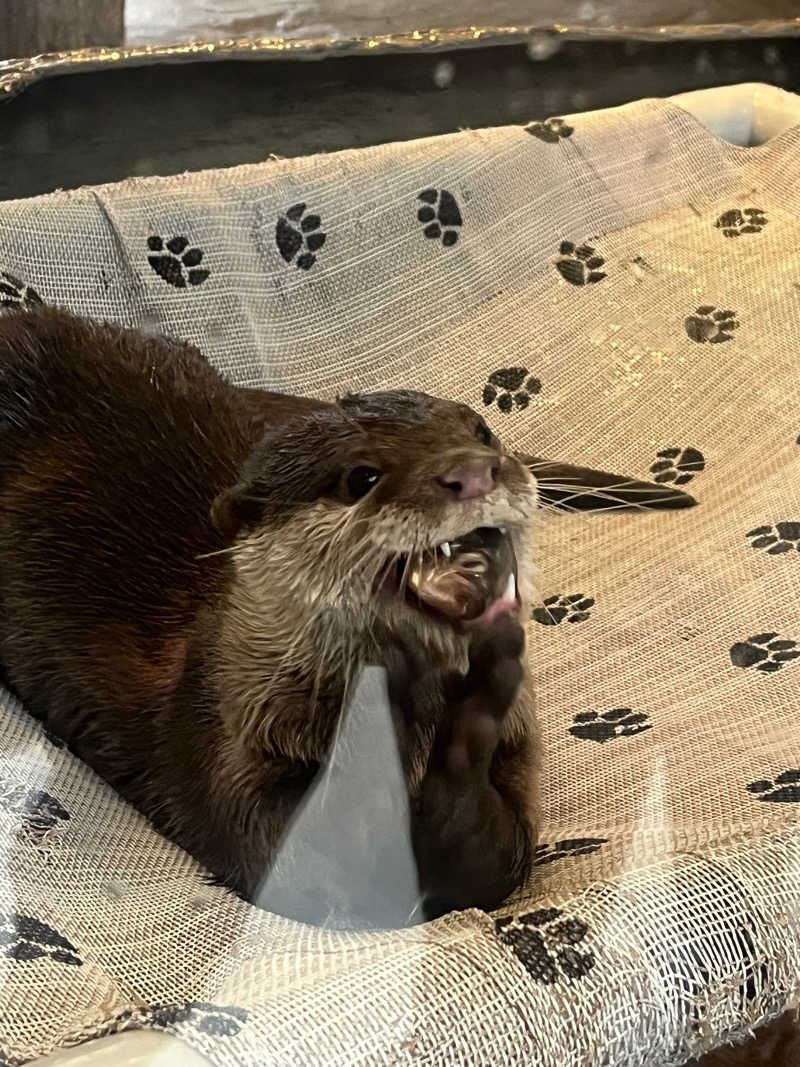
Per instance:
x=484, y=434
x=361, y=480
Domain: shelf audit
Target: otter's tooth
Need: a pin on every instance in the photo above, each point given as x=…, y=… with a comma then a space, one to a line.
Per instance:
x=511, y=589
x=445, y=547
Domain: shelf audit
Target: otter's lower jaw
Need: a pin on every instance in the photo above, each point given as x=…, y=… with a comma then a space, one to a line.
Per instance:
x=508, y=604
x=464, y=584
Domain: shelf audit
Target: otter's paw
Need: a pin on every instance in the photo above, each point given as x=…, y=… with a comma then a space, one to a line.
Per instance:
x=478, y=703
x=468, y=839
x=412, y=684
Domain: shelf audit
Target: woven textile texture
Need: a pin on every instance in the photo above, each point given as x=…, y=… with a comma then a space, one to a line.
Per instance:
x=619, y=289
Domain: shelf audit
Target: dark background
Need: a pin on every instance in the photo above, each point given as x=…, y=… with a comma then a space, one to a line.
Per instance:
x=88, y=128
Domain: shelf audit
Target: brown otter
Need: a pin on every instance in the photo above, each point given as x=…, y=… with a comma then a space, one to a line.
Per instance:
x=190, y=571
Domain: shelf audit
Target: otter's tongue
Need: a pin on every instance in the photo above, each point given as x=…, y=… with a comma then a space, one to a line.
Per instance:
x=469, y=580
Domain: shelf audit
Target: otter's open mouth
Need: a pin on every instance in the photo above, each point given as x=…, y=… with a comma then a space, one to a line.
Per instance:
x=467, y=581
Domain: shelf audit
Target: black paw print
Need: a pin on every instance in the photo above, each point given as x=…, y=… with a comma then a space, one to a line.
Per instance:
x=213, y=1019
x=550, y=130
x=678, y=465
x=579, y=266
x=290, y=239
x=619, y=722
x=39, y=810
x=440, y=213
x=15, y=294
x=25, y=938
x=509, y=386
x=555, y=609
x=709, y=324
x=777, y=539
x=178, y=263
x=785, y=789
x=561, y=850
x=544, y=943
x=748, y=220
x=765, y=652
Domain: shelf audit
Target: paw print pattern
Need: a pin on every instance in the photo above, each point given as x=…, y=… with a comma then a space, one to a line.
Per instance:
x=619, y=722
x=766, y=652
x=24, y=938
x=555, y=609
x=579, y=265
x=709, y=324
x=551, y=130
x=509, y=386
x=176, y=262
x=545, y=944
x=40, y=811
x=778, y=539
x=440, y=214
x=561, y=850
x=678, y=465
x=296, y=232
x=213, y=1019
x=785, y=789
x=735, y=222
x=15, y=294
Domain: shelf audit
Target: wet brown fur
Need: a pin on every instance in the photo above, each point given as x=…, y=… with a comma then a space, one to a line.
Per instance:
x=184, y=587
x=777, y=1044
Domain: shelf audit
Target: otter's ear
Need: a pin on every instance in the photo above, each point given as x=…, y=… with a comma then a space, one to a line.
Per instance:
x=569, y=488
x=234, y=509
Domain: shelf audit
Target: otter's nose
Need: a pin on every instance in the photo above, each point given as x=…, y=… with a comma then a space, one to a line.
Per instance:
x=470, y=479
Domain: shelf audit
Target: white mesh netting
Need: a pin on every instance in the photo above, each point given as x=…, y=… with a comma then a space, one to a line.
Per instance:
x=665, y=912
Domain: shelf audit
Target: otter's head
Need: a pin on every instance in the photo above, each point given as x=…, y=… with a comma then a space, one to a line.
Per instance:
x=390, y=507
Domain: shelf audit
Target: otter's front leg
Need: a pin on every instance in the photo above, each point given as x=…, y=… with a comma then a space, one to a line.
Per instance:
x=471, y=823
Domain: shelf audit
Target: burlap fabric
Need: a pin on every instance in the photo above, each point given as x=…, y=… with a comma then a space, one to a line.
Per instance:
x=665, y=912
